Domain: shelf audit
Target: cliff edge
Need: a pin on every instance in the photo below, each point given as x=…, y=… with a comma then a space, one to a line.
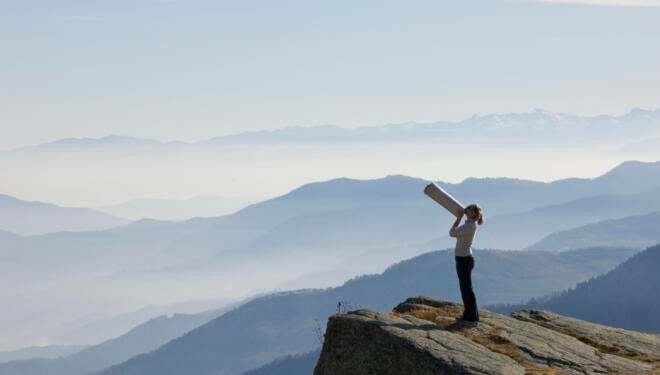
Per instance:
x=421, y=336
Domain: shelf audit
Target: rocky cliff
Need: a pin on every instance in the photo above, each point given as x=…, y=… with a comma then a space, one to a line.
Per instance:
x=422, y=336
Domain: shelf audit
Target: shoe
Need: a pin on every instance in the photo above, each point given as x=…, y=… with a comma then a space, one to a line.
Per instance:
x=466, y=322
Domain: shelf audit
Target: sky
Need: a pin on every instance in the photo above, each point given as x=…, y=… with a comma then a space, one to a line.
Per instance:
x=196, y=69
x=192, y=70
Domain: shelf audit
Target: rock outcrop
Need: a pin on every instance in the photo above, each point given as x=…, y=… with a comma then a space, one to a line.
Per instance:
x=422, y=336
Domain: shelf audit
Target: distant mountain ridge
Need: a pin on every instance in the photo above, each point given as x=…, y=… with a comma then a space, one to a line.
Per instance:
x=35, y=218
x=542, y=221
x=407, y=213
x=164, y=209
x=323, y=208
x=635, y=125
x=108, y=142
x=638, y=231
x=53, y=351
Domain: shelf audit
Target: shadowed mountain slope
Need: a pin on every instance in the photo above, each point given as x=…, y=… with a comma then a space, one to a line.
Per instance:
x=299, y=364
x=143, y=338
x=626, y=297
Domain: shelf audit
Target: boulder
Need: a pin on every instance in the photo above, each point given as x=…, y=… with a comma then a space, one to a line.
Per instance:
x=422, y=335
x=369, y=342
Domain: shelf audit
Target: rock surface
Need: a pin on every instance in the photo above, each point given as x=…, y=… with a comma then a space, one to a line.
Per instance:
x=422, y=336
x=612, y=340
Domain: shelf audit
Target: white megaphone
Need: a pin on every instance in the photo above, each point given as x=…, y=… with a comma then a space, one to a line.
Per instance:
x=436, y=193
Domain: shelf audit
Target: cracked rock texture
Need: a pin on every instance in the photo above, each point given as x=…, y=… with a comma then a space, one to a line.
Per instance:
x=422, y=336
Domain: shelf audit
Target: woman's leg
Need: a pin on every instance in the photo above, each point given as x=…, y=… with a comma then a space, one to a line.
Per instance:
x=464, y=266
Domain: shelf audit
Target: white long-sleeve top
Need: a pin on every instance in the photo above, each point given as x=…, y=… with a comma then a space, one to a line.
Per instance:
x=464, y=236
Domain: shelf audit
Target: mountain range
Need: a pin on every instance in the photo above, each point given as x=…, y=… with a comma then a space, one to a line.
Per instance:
x=534, y=225
x=315, y=236
x=638, y=231
x=97, y=172
x=535, y=126
x=34, y=218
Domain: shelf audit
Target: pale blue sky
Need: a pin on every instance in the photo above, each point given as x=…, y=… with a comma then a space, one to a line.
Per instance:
x=190, y=70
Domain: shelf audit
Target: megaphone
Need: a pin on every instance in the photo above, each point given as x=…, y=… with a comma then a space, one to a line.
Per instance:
x=445, y=199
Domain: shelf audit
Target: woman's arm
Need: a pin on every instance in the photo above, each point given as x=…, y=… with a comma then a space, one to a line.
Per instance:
x=458, y=219
x=452, y=230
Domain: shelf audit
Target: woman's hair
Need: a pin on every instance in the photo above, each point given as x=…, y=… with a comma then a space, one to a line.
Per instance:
x=479, y=214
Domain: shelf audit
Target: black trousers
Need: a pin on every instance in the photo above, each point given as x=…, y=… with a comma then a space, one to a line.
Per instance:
x=464, y=266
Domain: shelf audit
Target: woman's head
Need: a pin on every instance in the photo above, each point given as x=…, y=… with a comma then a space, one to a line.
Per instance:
x=475, y=213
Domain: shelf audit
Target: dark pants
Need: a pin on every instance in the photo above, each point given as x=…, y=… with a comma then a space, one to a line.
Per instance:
x=464, y=266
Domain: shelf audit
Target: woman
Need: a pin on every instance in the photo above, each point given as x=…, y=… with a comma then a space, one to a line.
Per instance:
x=464, y=259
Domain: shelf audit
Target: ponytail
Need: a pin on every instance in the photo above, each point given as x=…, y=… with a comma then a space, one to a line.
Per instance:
x=478, y=213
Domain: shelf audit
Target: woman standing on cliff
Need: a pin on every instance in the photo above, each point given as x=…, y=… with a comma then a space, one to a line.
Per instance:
x=464, y=260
